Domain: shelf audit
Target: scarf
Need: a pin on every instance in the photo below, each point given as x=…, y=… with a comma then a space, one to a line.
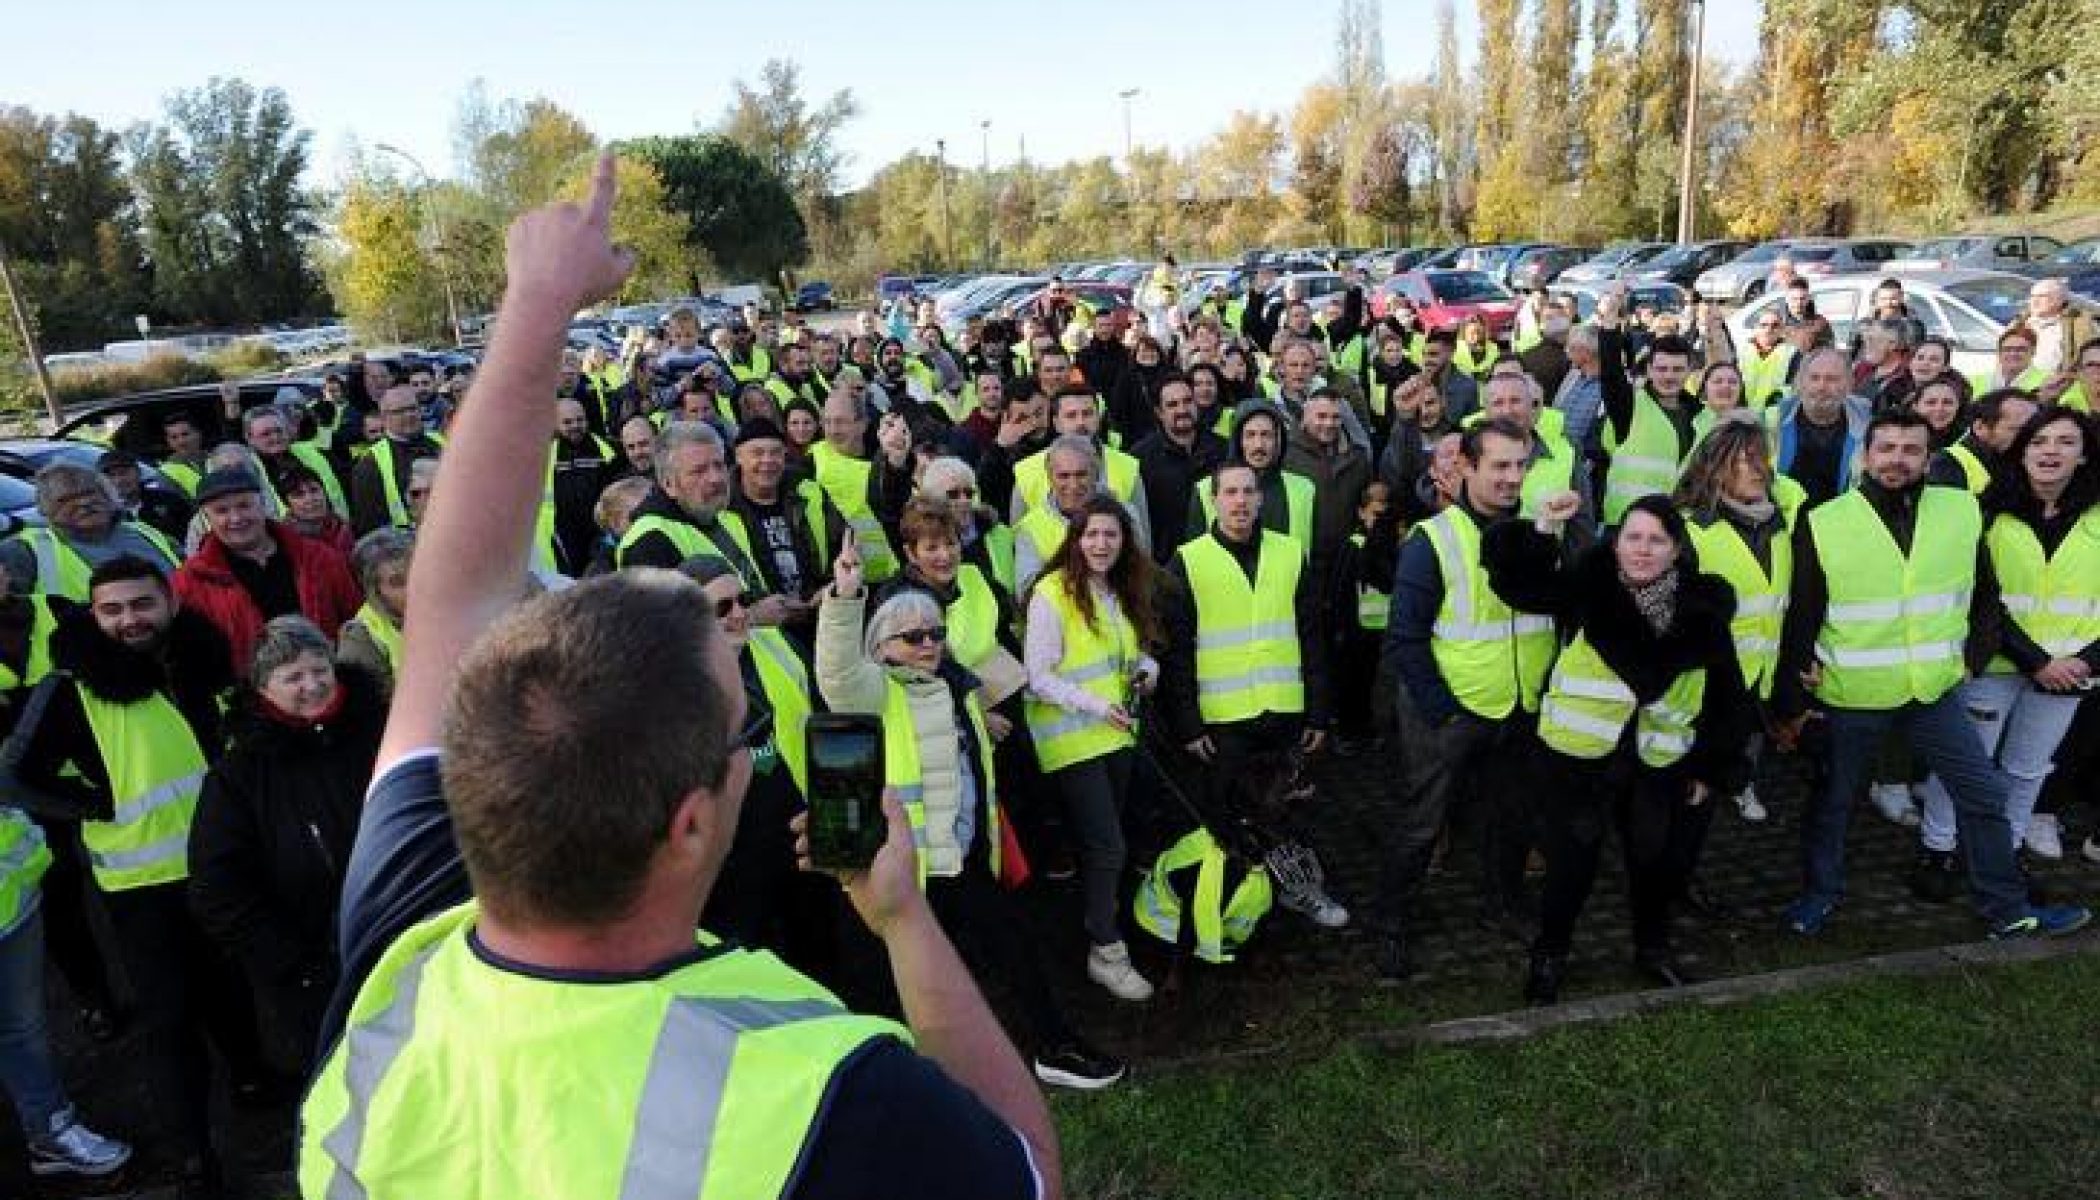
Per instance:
x=1656, y=599
x=1753, y=513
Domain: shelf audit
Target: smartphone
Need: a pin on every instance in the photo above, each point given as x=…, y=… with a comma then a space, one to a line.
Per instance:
x=846, y=825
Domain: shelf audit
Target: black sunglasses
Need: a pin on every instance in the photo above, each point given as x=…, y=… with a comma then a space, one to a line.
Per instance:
x=725, y=604
x=920, y=637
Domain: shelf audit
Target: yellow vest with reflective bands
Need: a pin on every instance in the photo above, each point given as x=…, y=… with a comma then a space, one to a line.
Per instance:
x=1764, y=374
x=23, y=860
x=1973, y=472
x=1551, y=470
x=1587, y=708
x=1493, y=658
x=1032, y=476
x=1247, y=654
x=845, y=479
x=155, y=770
x=1895, y=625
x=1298, y=496
x=786, y=684
x=1044, y=528
x=1099, y=662
x=1222, y=925
x=904, y=774
x=42, y=624
x=706, y=1080
x=973, y=618
x=999, y=550
x=182, y=475
x=2053, y=598
x=1646, y=463
x=62, y=571
x=1760, y=595
x=397, y=513
x=1373, y=607
x=690, y=539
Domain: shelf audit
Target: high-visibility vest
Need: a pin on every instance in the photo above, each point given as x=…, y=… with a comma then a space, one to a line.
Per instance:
x=1973, y=472
x=156, y=770
x=1043, y=528
x=905, y=775
x=1760, y=593
x=310, y=457
x=845, y=479
x=1587, y=708
x=1222, y=925
x=1464, y=359
x=1247, y=654
x=546, y=558
x=1349, y=357
x=706, y=1080
x=182, y=475
x=786, y=393
x=972, y=618
x=1493, y=658
x=37, y=663
x=999, y=551
x=785, y=681
x=384, y=634
x=1646, y=463
x=1373, y=606
x=2073, y=398
x=390, y=483
x=1032, y=476
x=1764, y=372
x=1551, y=470
x=1298, y=494
x=62, y=571
x=689, y=539
x=1099, y=661
x=2028, y=380
x=1896, y=622
x=2053, y=598
x=760, y=366
x=23, y=860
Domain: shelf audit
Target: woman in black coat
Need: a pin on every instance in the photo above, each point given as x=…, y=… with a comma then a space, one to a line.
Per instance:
x=1641, y=719
x=274, y=825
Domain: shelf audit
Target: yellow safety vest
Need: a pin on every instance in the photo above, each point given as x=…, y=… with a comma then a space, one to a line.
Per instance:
x=1044, y=528
x=1764, y=374
x=905, y=775
x=1647, y=463
x=1464, y=360
x=1373, y=607
x=786, y=684
x=42, y=624
x=1551, y=470
x=690, y=539
x=1760, y=595
x=845, y=480
x=312, y=459
x=2053, y=598
x=1222, y=926
x=707, y=1080
x=1973, y=472
x=1493, y=658
x=155, y=770
x=1894, y=629
x=1247, y=654
x=1032, y=476
x=1587, y=708
x=62, y=571
x=1298, y=494
x=384, y=634
x=182, y=475
x=390, y=484
x=2028, y=380
x=1099, y=661
x=23, y=860
x=972, y=618
x=999, y=550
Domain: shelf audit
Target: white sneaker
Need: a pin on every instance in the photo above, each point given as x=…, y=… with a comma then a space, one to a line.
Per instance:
x=1315, y=904
x=2044, y=837
x=1893, y=801
x=1110, y=967
x=1747, y=803
x=2091, y=849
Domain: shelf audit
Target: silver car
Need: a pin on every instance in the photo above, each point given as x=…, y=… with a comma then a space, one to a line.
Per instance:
x=1613, y=261
x=1969, y=308
x=1985, y=251
x=1741, y=278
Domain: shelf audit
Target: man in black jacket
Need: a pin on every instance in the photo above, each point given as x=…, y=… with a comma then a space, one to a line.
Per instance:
x=583, y=464
x=795, y=533
x=1173, y=461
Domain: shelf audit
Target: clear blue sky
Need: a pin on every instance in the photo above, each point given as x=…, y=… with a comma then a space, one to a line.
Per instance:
x=386, y=71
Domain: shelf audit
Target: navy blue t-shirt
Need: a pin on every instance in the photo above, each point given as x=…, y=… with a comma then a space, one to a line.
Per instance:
x=893, y=1124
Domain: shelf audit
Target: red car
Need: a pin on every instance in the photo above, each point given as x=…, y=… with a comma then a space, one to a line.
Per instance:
x=1111, y=298
x=1444, y=299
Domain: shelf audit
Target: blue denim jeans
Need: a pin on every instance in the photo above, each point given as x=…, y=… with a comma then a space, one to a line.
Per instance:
x=27, y=1070
x=1941, y=734
x=2020, y=727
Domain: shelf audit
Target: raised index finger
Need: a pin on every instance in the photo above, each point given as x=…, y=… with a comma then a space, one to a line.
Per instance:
x=602, y=189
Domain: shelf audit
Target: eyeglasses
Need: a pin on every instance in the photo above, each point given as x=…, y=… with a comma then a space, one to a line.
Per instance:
x=758, y=725
x=725, y=604
x=962, y=493
x=920, y=637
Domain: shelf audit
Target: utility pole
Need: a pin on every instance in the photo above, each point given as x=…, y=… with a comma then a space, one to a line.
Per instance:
x=28, y=336
x=1687, y=189
x=437, y=223
x=940, y=156
x=1127, y=95
x=984, y=129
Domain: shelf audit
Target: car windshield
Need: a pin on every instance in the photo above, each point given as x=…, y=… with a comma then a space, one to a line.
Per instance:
x=1945, y=248
x=1999, y=298
x=1813, y=254
x=1675, y=256
x=1764, y=253
x=1465, y=287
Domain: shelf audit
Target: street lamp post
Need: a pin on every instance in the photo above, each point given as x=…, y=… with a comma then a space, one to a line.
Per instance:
x=27, y=334
x=1126, y=96
x=437, y=221
x=984, y=130
x=940, y=157
x=1687, y=216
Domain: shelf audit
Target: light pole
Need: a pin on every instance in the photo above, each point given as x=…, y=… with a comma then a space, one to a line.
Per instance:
x=23, y=330
x=984, y=131
x=437, y=222
x=1687, y=217
x=940, y=157
x=1126, y=96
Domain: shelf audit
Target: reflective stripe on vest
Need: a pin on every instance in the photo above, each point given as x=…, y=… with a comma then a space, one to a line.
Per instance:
x=312, y=459
x=1298, y=495
x=64, y=571
x=390, y=483
x=1551, y=470
x=845, y=480
x=1222, y=927
x=708, y=1080
x=1587, y=708
x=786, y=683
x=1247, y=653
x=1493, y=658
x=1896, y=622
x=689, y=539
x=24, y=857
x=1764, y=375
x=1097, y=658
x=2053, y=598
x=1760, y=597
x=155, y=771
x=1032, y=476
x=1973, y=472
x=37, y=663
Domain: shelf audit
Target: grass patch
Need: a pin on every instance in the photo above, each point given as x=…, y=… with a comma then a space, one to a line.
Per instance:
x=1981, y=1083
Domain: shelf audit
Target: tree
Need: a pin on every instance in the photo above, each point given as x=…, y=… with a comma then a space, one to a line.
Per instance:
x=383, y=280
x=1314, y=202
x=68, y=222
x=797, y=143
x=1237, y=170
x=644, y=222
x=1381, y=190
x=1507, y=206
x=734, y=208
x=1449, y=125
x=533, y=149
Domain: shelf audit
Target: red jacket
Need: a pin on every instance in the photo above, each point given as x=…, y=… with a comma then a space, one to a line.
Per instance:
x=328, y=592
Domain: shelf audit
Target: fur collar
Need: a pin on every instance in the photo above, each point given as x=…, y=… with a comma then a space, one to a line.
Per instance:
x=194, y=661
x=1648, y=661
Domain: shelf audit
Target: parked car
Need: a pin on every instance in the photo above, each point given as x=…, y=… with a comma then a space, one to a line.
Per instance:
x=1742, y=278
x=814, y=296
x=996, y=300
x=1969, y=308
x=1658, y=294
x=134, y=422
x=1443, y=299
x=2077, y=264
x=1537, y=266
x=1312, y=286
x=1682, y=265
x=1822, y=257
x=1611, y=261
x=1985, y=251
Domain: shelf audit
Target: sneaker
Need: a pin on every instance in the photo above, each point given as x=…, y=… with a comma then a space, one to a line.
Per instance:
x=1110, y=967
x=2091, y=849
x=2051, y=920
x=1893, y=801
x=1075, y=1064
x=1315, y=904
x=2044, y=837
x=1808, y=915
x=72, y=1148
x=1747, y=803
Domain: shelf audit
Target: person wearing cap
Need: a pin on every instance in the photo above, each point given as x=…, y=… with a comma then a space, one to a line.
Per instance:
x=250, y=569
x=269, y=433
x=162, y=508
x=83, y=529
x=379, y=485
x=795, y=531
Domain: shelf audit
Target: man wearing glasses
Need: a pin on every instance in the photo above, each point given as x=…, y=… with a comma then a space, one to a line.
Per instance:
x=82, y=531
x=379, y=485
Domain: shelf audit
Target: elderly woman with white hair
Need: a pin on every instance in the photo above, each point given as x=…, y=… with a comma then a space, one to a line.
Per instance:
x=371, y=640
x=83, y=529
x=987, y=542
x=938, y=762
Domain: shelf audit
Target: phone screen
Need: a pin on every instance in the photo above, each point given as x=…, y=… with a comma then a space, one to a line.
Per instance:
x=846, y=825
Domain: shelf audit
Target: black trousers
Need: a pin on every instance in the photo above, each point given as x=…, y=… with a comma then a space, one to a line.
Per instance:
x=1474, y=772
x=70, y=941
x=997, y=943
x=1660, y=834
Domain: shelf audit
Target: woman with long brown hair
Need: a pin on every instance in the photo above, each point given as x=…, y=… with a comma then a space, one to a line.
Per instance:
x=1090, y=618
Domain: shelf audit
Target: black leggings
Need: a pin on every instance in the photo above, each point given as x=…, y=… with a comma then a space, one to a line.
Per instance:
x=1659, y=837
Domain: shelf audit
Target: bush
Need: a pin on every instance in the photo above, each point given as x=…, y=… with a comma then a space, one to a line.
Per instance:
x=246, y=358
x=159, y=371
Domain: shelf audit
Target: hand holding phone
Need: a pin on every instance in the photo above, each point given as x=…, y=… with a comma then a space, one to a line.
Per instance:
x=845, y=755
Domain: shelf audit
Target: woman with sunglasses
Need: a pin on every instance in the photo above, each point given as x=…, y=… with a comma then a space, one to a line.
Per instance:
x=1090, y=618
x=938, y=757
x=760, y=899
x=987, y=541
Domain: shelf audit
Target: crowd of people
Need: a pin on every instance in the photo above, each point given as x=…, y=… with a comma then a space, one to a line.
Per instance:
x=1111, y=581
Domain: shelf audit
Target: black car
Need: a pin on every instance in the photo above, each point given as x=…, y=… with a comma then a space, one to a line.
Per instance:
x=814, y=296
x=133, y=422
x=1682, y=265
x=2077, y=264
x=1536, y=266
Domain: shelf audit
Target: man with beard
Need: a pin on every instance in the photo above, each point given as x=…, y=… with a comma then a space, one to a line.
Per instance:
x=1104, y=358
x=583, y=464
x=795, y=533
x=684, y=516
x=82, y=530
x=1261, y=440
x=1173, y=461
x=792, y=378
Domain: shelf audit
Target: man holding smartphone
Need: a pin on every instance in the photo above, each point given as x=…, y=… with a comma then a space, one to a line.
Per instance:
x=518, y=925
